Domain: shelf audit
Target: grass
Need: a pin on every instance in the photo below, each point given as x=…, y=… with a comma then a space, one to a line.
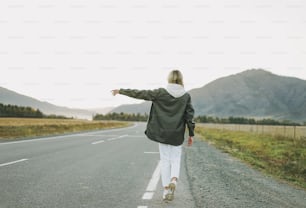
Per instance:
x=12, y=128
x=279, y=156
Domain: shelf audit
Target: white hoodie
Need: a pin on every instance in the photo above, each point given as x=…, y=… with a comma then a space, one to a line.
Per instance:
x=176, y=90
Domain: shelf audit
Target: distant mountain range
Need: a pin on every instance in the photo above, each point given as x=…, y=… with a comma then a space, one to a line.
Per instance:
x=13, y=98
x=253, y=93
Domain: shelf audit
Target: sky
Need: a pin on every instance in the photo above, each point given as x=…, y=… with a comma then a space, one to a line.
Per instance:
x=72, y=53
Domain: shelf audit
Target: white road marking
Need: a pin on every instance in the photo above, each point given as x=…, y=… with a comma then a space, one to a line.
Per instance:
x=13, y=162
x=152, y=184
x=142, y=207
x=119, y=137
x=64, y=136
x=40, y=139
x=151, y=152
x=147, y=195
x=110, y=139
x=155, y=178
x=98, y=142
x=117, y=129
x=98, y=135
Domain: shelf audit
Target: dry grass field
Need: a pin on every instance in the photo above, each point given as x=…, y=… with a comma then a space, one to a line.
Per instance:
x=296, y=132
x=284, y=157
x=11, y=128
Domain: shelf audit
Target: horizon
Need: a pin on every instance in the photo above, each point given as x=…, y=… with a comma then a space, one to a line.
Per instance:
x=73, y=54
x=140, y=101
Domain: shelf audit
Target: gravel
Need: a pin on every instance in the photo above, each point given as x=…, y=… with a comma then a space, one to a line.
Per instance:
x=219, y=180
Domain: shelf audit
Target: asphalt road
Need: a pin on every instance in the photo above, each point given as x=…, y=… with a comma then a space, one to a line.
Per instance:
x=107, y=168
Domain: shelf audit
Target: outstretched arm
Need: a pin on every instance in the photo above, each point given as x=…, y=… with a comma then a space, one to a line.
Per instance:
x=139, y=94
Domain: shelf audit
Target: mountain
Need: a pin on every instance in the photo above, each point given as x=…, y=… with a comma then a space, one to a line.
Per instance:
x=253, y=93
x=101, y=110
x=141, y=108
x=13, y=98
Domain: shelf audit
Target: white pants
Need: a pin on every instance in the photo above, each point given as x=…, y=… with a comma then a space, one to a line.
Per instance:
x=170, y=157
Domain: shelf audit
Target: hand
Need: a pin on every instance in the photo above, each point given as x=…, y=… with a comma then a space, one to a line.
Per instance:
x=190, y=141
x=115, y=92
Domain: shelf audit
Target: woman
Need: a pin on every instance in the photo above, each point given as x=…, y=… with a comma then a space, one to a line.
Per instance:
x=170, y=112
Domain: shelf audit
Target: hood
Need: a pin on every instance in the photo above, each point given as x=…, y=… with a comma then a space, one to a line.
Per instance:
x=176, y=90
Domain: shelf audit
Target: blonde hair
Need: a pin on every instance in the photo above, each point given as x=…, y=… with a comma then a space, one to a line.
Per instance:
x=175, y=77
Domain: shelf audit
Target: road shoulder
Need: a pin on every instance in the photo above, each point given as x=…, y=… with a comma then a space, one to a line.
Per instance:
x=219, y=180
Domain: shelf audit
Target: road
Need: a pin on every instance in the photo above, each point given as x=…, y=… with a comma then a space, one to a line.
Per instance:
x=106, y=168
x=120, y=168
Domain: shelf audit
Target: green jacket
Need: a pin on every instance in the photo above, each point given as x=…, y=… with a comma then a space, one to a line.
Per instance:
x=168, y=116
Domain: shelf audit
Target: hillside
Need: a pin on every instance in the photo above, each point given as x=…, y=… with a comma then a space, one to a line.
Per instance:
x=13, y=98
x=133, y=108
x=252, y=93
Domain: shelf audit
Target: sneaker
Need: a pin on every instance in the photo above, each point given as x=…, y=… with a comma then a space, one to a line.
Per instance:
x=172, y=187
x=165, y=194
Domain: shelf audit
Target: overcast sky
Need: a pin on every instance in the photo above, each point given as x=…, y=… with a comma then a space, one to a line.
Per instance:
x=72, y=53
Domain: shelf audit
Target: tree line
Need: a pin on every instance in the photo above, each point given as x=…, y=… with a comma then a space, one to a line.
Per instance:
x=242, y=120
x=28, y=112
x=121, y=116
x=19, y=111
x=200, y=119
x=24, y=112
